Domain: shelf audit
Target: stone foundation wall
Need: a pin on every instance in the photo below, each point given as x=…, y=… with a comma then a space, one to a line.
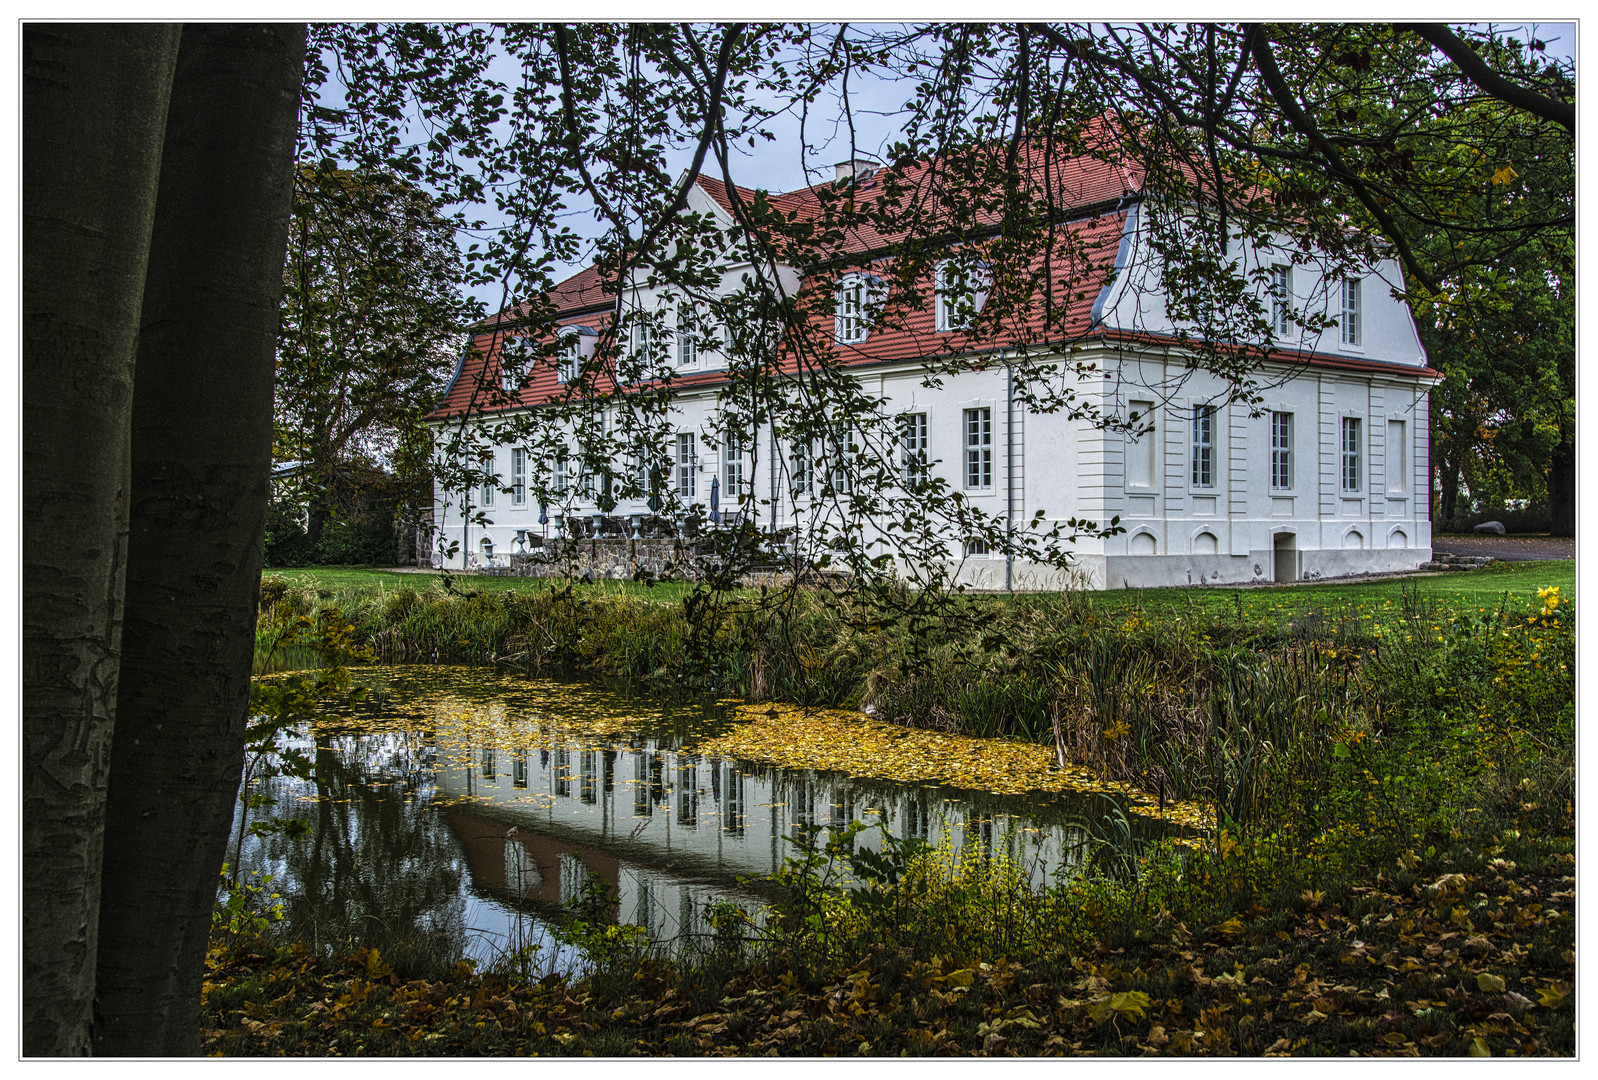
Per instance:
x=611, y=559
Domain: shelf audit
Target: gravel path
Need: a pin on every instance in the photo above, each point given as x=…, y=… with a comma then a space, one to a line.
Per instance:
x=1508, y=548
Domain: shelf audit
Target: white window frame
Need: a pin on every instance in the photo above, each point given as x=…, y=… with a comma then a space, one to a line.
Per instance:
x=1281, y=299
x=974, y=547
x=732, y=466
x=568, y=358
x=913, y=443
x=687, y=463
x=1351, y=446
x=687, y=342
x=1201, y=442
x=1353, y=311
x=801, y=468
x=560, y=479
x=1281, y=439
x=976, y=428
x=849, y=309
x=839, y=449
x=518, y=476
x=639, y=337
x=485, y=495
x=947, y=301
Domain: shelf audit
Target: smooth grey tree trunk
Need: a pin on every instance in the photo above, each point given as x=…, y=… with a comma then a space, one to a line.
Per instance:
x=94, y=104
x=201, y=457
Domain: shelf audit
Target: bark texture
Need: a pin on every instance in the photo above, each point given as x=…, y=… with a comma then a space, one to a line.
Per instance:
x=94, y=111
x=201, y=458
x=1562, y=490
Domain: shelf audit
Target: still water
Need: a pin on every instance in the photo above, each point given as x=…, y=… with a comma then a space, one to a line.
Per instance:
x=461, y=811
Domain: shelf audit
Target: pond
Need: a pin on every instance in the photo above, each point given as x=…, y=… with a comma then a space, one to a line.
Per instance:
x=462, y=811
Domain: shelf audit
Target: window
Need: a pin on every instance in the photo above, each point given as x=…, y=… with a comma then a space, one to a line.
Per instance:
x=800, y=466
x=959, y=292
x=1140, y=448
x=640, y=337
x=1351, y=311
x=566, y=361
x=485, y=497
x=732, y=467
x=561, y=479
x=1397, y=457
x=687, y=343
x=509, y=380
x=648, y=473
x=1350, y=454
x=841, y=449
x=1203, y=446
x=518, y=477
x=978, y=449
x=974, y=546
x=1282, y=451
x=1281, y=300
x=849, y=322
x=913, y=445
x=685, y=467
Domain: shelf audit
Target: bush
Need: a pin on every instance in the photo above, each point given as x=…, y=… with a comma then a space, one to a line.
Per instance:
x=364, y=540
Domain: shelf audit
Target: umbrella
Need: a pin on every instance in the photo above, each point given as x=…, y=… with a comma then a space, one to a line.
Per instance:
x=715, y=499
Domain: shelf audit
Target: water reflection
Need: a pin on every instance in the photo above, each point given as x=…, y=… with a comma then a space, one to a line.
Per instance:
x=470, y=823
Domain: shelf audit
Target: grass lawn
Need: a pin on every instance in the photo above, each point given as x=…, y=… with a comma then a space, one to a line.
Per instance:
x=353, y=577
x=1516, y=581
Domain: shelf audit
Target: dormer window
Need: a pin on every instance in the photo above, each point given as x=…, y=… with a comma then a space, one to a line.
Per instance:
x=850, y=315
x=856, y=296
x=567, y=359
x=687, y=342
x=1351, y=311
x=959, y=292
x=639, y=345
x=1281, y=300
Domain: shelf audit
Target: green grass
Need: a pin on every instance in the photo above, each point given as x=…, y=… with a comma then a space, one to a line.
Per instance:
x=355, y=577
x=1517, y=581
x=1482, y=587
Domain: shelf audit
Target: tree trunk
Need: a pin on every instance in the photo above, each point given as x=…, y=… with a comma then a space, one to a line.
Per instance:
x=201, y=453
x=1450, y=494
x=1562, y=489
x=94, y=109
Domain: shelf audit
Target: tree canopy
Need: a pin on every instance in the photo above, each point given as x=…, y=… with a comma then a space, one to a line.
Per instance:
x=371, y=324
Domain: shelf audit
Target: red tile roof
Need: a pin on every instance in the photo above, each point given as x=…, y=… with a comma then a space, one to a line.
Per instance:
x=1090, y=186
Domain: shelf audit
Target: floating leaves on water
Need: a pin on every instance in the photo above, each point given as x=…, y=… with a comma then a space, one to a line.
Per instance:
x=852, y=743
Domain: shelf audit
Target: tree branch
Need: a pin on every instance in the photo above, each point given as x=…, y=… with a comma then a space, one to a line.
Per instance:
x=1474, y=68
x=1305, y=126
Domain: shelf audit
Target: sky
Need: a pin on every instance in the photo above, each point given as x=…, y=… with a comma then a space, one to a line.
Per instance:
x=878, y=106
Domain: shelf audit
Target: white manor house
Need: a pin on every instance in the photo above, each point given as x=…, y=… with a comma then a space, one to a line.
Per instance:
x=1327, y=476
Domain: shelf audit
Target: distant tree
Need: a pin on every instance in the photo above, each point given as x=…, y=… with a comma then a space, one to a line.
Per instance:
x=372, y=315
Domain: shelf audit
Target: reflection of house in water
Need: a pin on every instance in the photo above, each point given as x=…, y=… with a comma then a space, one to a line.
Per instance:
x=683, y=827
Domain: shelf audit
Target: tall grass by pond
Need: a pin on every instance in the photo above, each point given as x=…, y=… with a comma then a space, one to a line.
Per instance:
x=1246, y=712
x=1396, y=877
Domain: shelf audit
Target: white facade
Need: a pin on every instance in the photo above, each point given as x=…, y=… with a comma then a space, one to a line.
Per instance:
x=1329, y=479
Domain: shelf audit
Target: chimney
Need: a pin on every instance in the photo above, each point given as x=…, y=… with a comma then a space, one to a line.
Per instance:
x=861, y=167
